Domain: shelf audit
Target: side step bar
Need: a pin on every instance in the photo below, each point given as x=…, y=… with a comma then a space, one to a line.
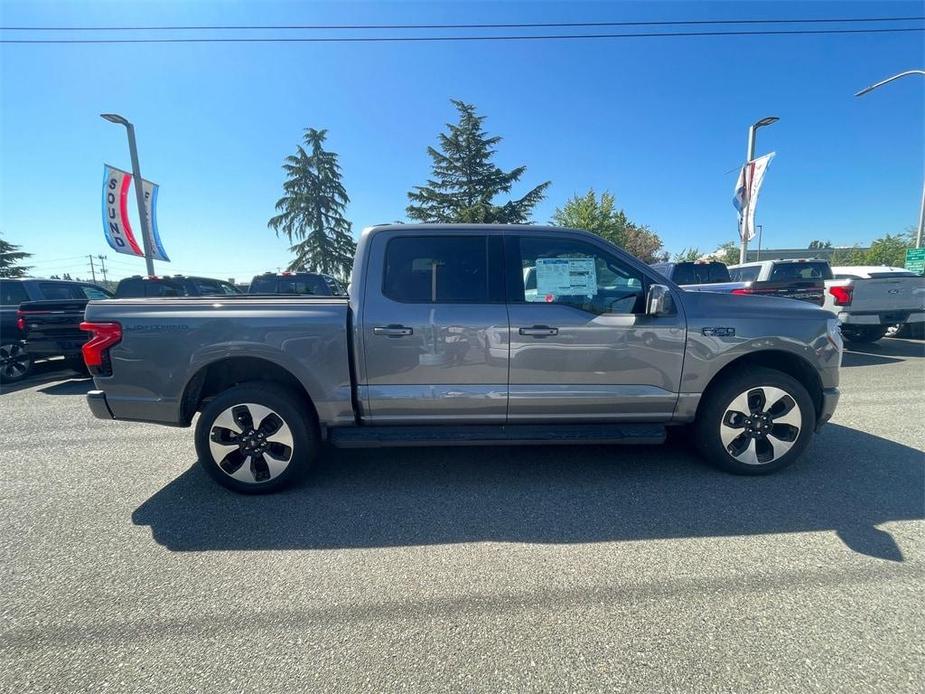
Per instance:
x=480, y=435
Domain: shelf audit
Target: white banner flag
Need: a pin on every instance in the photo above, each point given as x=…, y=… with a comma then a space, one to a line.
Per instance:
x=116, y=224
x=746, y=193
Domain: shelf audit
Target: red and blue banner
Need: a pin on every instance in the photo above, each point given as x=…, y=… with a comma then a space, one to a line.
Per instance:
x=116, y=224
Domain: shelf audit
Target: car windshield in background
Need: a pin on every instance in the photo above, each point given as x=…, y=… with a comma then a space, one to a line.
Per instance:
x=783, y=272
x=745, y=274
x=700, y=273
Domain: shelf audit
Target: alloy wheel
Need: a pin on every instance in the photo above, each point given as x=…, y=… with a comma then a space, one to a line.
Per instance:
x=761, y=425
x=14, y=361
x=251, y=443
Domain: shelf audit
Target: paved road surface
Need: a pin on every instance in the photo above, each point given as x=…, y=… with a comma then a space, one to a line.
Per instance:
x=466, y=569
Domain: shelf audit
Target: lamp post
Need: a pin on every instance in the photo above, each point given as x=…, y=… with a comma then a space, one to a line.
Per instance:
x=867, y=90
x=752, y=130
x=139, y=192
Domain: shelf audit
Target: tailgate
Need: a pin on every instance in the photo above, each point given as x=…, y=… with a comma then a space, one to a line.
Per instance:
x=889, y=295
x=812, y=291
x=54, y=321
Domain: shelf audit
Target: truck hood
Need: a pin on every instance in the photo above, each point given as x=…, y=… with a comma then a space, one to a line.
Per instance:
x=705, y=303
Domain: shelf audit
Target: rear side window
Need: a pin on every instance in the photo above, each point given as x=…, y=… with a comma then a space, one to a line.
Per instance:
x=437, y=269
x=783, y=272
x=12, y=293
x=313, y=285
x=744, y=274
x=53, y=291
x=263, y=285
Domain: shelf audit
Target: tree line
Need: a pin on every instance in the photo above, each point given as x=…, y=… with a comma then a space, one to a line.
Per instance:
x=465, y=186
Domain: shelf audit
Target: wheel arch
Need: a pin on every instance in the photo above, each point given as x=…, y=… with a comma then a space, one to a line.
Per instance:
x=786, y=362
x=221, y=374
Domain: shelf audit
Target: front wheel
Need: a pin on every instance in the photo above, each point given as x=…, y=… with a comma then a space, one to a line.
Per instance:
x=755, y=422
x=15, y=362
x=256, y=438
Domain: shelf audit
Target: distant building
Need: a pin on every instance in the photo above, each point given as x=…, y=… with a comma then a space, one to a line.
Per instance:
x=792, y=253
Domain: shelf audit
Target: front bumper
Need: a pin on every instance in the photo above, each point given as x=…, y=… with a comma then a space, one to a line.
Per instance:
x=829, y=403
x=96, y=399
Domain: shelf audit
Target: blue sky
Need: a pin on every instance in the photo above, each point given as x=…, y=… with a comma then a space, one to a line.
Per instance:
x=661, y=123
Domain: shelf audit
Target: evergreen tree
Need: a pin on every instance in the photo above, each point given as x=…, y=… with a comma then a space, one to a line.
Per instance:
x=10, y=256
x=466, y=182
x=312, y=209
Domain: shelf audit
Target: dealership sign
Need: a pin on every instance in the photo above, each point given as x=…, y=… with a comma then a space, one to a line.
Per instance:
x=745, y=199
x=116, y=225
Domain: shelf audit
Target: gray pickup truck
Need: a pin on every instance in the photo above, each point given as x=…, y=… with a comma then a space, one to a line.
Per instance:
x=440, y=342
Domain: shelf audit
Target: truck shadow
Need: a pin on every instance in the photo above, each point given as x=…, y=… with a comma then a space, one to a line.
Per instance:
x=848, y=481
x=885, y=351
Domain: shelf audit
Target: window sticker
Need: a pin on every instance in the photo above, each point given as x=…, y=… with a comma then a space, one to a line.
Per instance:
x=566, y=277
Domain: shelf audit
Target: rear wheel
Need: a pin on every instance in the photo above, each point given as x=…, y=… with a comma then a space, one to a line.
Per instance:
x=755, y=422
x=15, y=362
x=862, y=334
x=256, y=438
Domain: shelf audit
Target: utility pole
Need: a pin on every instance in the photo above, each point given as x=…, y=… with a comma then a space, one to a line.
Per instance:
x=92, y=269
x=139, y=192
x=102, y=259
x=752, y=130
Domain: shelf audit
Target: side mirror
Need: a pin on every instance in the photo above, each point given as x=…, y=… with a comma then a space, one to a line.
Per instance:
x=659, y=301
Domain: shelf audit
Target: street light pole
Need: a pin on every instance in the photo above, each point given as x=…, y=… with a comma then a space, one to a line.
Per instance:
x=867, y=90
x=750, y=154
x=139, y=191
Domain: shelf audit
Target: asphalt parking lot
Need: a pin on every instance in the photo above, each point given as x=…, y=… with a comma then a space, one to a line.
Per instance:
x=532, y=569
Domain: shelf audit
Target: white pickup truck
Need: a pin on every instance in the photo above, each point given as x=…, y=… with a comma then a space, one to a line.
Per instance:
x=870, y=299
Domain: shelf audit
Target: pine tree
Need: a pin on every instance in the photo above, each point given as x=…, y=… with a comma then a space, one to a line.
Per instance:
x=312, y=209
x=465, y=182
x=10, y=256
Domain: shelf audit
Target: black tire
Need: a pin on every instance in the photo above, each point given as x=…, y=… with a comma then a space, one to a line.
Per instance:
x=769, y=427
x=15, y=363
x=863, y=334
x=257, y=459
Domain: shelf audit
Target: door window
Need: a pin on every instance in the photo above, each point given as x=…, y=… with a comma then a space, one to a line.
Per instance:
x=556, y=270
x=437, y=269
x=60, y=291
x=91, y=292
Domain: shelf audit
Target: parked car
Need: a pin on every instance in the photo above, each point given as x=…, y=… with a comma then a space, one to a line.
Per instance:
x=136, y=287
x=606, y=351
x=16, y=359
x=869, y=300
x=800, y=278
x=303, y=283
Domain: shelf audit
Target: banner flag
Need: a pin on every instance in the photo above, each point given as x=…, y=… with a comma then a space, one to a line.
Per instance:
x=116, y=225
x=150, y=193
x=747, y=188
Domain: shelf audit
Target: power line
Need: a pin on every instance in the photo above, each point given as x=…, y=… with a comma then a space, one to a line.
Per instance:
x=513, y=25
x=434, y=39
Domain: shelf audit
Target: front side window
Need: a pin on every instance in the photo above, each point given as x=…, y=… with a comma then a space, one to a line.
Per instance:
x=574, y=273
x=437, y=269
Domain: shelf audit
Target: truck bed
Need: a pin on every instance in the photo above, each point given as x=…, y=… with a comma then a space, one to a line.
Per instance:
x=168, y=345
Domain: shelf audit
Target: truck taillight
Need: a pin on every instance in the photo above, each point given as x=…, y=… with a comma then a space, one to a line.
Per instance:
x=20, y=321
x=743, y=290
x=843, y=295
x=96, y=349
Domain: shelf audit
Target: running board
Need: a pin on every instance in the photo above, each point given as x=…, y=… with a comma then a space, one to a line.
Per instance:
x=480, y=435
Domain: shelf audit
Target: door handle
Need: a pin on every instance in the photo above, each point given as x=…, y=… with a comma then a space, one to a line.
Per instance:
x=539, y=331
x=393, y=331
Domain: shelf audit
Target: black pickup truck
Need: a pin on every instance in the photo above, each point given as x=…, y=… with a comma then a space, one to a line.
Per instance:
x=51, y=328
